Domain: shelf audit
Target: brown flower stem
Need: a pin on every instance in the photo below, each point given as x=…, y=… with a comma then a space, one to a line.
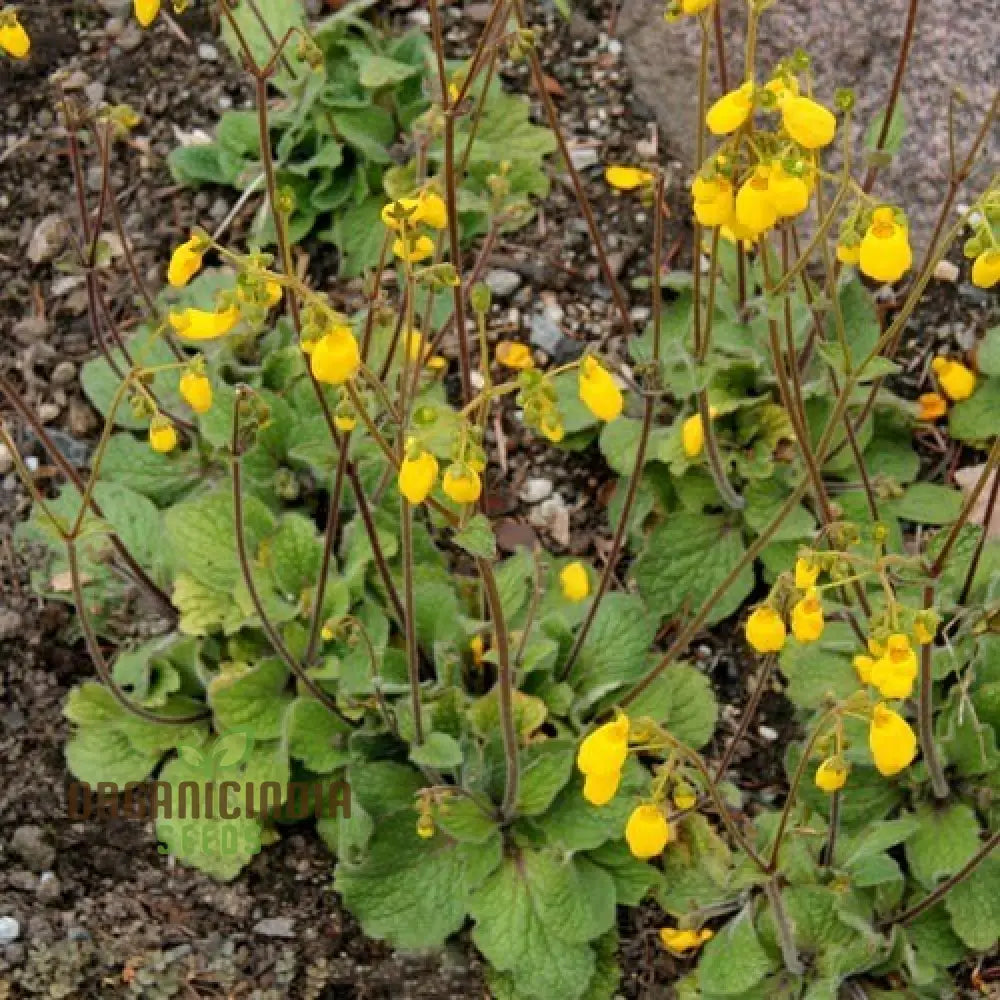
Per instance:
x=135, y=570
x=894, y=90
x=977, y=555
x=102, y=666
x=749, y=713
x=505, y=685
x=786, y=937
x=925, y=709
x=832, y=830
x=409, y=618
x=246, y=571
x=947, y=885
x=552, y=116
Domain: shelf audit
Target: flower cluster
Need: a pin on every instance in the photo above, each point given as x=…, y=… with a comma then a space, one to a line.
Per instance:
x=411, y=218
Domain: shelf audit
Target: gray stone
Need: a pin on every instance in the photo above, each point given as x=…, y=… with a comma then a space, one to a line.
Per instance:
x=536, y=490
x=31, y=844
x=10, y=930
x=208, y=52
x=48, y=239
x=275, y=927
x=502, y=282
x=851, y=45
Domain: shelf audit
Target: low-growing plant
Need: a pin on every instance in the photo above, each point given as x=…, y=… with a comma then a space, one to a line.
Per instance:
x=527, y=744
x=357, y=124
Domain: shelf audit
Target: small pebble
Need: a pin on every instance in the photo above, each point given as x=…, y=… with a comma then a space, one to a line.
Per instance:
x=208, y=52
x=946, y=271
x=10, y=930
x=276, y=927
x=767, y=733
x=502, y=282
x=536, y=490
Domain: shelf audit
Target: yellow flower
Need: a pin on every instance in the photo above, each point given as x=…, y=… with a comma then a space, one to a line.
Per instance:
x=933, y=406
x=848, y=253
x=895, y=672
x=885, y=253
x=807, y=122
x=599, y=789
x=204, y=324
x=684, y=797
x=146, y=11
x=986, y=269
x=462, y=484
x=627, y=178
x=782, y=89
x=432, y=210
x=477, y=646
x=162, y=435
x=425, y=826
x=789, y=193
x=957, y=381
x=599, y=391
x=806, y=573
x=552, y=427
x=693, y=433
x=514, y=355
x=807, y=617
x=681, y=942
x=892, y=742
x=714, y=202
x=413, y=249
x=831, y=775
x=922, y=633
x=863, y=666
x=344, y=423
x=754, y=205
x=765, y=630
x=335, y=357
x=575, y=582
x=196, y=391
x=272, y=293
x=417, y=476
x=14, y=39
x=647, y=831
x=730, y=111
x=734, y=232
x=185, y=262
x=695, y=6
x=418, y=349
x=604, y=750
x=406, y=208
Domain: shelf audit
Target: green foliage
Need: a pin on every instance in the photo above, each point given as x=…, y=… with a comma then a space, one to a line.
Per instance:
x=333, y=138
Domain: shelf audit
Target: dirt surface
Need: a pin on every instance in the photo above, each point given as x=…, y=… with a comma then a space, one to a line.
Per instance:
x=100, y=912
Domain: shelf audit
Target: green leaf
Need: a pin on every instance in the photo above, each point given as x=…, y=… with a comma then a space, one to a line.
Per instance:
x=545, y=769
x=947, y=838
x=369, y=130
x=694, y=710
x=203, y=163
x=251, y=700
x=464, y=819
x=477, y=538
x=861, y=321
x=988, y=352
x=535, y=917
x=877, y=838
x=974, y=906
x=202, y=534
x=894, y=134
x=358, y=234
x=379, y=71
x=616, y=647
x=295, y=554
x=686, y=559
x=633, y=878
x=733, y=961
x=165, y=479
x=411, y=892
x=815, y=671
x=977, y=418
x=696, y=869
x=926, y=503
x=315, y=735
x=277, y=18
x=437, y=750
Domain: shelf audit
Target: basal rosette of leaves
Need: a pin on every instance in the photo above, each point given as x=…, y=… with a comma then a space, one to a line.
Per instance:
x=348, y=130
x=527, y=748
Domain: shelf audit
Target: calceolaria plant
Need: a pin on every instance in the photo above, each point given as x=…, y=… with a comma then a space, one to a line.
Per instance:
x=299, y=490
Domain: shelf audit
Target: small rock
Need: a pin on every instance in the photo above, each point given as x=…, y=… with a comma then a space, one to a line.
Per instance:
x=208, y=52
x=419, y=17
x=48, y=412
x=767, y=733
x=10, y=930
x=95, y=92
x=6, y=459
x=49, y=888
x=583, y=157
x=48, y=239
x=275, y=927
x=546, y=334
x=131, y=37
x=78, y=934
x=478, y=12
x=536, y=490
x=32, y=846
x=946, y=271
x=63, y=373
x=502, y=282
x=552, y=515
x=10, y=622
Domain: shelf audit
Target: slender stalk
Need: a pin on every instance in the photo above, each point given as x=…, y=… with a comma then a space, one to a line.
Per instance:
x=505, y=683
x=97, y=656
x=925, y=711
x=932, y=898
x=749, y=712
x=786, y=936
x=832, y=830
x=977, y=555
x=409, y=619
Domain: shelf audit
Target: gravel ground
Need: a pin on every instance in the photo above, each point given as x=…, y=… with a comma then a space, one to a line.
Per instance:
x=99, y=912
